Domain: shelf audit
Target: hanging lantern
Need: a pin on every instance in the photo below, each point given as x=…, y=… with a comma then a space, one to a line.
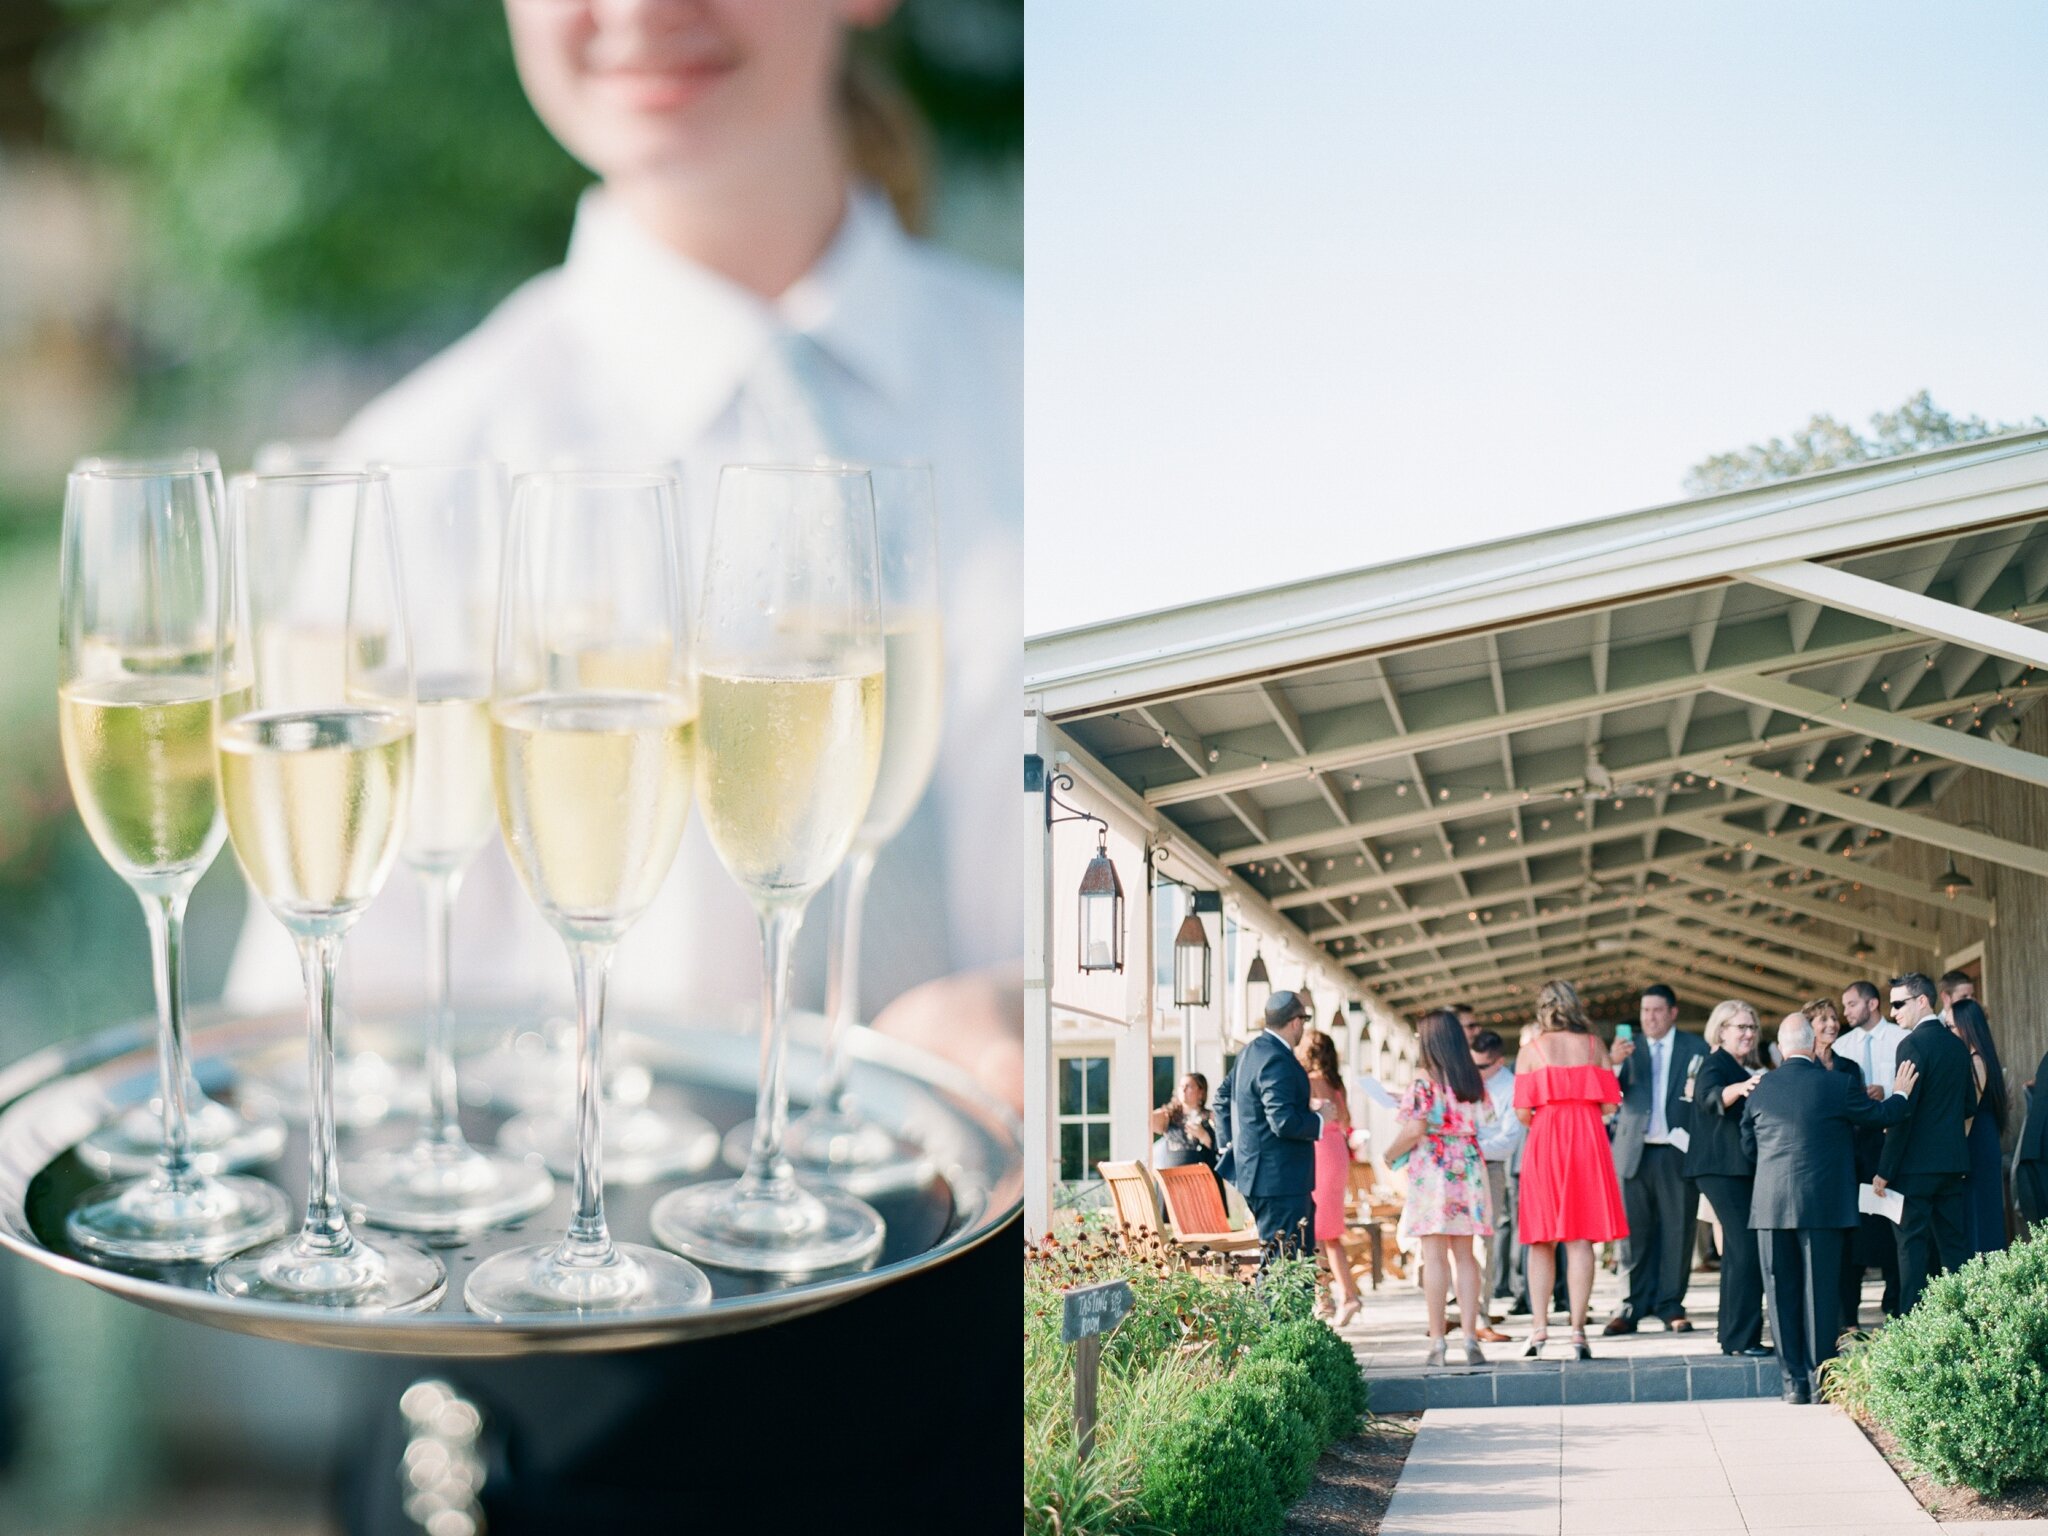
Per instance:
x=1862, y=949
x=1191, y=964
x=1102, y=912
x=1258, y=986
x=1953, y=881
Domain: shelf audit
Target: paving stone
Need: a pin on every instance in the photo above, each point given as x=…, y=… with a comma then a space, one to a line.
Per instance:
x=1591, y=1383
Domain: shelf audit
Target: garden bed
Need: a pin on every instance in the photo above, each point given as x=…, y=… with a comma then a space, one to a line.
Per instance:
x=1355, y=1481
x=2019, y=1501
x=1218, y=1395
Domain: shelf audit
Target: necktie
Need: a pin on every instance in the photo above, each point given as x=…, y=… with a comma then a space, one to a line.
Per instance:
x=1658, y=1127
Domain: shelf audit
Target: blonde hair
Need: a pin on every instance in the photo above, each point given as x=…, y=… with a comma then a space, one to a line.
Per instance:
x=1558, y=1007
x=886, y=141
x=1723, y=1012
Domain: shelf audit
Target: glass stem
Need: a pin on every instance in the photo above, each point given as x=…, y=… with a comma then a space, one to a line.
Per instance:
x=166, y=916
x=768, y=1171
x=588, y=1240
x=842, y=977
x=326, y=1229
x=443, y=1129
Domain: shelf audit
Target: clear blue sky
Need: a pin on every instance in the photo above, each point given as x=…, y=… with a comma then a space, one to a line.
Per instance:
x=1320, y=285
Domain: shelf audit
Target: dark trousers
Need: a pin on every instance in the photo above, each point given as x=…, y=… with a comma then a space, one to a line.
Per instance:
x=1498, y=1277
x=1874, y=1242
x=1934, y=1237
x=1802, y=1276
x=1662, y=1206
x=1286, y=1223
x=1742, y=1275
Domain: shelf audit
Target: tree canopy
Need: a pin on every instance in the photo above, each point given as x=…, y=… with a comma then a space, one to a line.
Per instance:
x=1825, y=443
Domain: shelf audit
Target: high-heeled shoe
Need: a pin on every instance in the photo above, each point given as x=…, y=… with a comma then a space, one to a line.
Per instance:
x=1474, y=1355
x=1579, y=1344
x=1537, y=1339
x=1436, y=1352
x=1347, y=1309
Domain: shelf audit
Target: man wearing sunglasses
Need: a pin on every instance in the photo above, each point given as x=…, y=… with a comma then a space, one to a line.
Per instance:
x=1927, y=1157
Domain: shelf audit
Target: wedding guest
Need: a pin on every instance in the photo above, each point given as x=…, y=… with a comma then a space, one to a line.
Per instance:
x=1317, y=1054
x=1724, y=1169
x=1569, y=1194
x=1268, y=1128
x=1560, y=1297
x=2030, y=1158
x=1796, y=1126
x=1662, y=1205
x=1186, y=1128
x=1440, y=1119
x=1986, y=1183
x=1956, y=987
x=1928, y=1156
x=1498, y=1144
x=1826, y=1019
x=1872, y=1042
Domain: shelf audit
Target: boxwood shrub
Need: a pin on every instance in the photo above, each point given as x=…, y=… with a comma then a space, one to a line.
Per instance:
x=1206, y=1477
x=1961, y=1381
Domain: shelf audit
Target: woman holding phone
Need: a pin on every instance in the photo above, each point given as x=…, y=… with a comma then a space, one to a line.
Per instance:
x=1569, y=1194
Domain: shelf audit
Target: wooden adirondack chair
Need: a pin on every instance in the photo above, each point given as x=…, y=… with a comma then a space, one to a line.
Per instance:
x=1194, y=1211
x=1131, y=1199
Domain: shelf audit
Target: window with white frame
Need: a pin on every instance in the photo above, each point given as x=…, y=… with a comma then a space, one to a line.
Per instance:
x=1082, y=1116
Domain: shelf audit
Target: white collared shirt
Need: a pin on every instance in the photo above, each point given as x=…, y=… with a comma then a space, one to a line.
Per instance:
x=1875, y=1049
x=630, y=353
x=1499, y=1141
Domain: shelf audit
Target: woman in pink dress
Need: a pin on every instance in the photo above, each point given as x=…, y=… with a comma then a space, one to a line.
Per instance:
x=1447, y=1204
x=1569, y=1193
x=1317, y=1054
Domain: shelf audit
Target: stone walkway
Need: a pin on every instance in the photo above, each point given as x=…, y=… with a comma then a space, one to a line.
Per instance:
x=1676, y=1469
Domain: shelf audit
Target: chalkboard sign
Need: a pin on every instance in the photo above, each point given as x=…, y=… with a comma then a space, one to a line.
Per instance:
x=1093, y=1309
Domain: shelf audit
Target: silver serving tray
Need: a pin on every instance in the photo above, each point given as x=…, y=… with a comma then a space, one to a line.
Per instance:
x=56, y=1097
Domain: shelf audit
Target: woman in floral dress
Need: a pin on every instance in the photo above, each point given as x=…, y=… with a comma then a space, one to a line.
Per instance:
x=1447, y=1207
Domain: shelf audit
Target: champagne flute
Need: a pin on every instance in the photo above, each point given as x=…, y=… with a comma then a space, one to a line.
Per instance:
x=593, y=729
x=832, y=1140
x=313, y=732
x=791, y=699
x=450, y=529
x=135, y=659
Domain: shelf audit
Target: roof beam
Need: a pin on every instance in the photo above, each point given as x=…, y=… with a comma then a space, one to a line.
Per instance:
x=1902, y=730
x=1680, y=905
x=1866, y=811
x=1850, y=593
x=1789, y=850
x=1801, y=972
x=1856, y=919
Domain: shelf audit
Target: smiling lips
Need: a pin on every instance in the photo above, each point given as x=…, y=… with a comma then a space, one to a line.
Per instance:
x=663, y=86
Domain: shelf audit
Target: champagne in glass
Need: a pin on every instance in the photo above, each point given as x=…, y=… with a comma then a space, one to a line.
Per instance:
x=792, y=697
x=832, y=1140
x=314, y=724
x=139, y=602
x=593, y=771
x=450, y=529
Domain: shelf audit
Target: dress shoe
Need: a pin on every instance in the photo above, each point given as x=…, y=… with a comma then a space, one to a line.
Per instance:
x=1754, y=1352
x=1519, y=1309
x=1492, y=1336
x=1620, y=1325
x=1797, y=1395
x=1678, y=1324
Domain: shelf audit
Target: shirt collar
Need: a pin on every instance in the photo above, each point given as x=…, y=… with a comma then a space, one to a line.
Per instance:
x=676, y=339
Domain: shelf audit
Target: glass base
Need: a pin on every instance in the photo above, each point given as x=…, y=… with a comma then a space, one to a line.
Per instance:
x=826, y=1146
x=220, y=1139
x=658, y=1139
x=368, y=1089
x=800, y=1233
x=534, y=1282
x=423, y=1187
x=147, y=1221
x=380, y=1276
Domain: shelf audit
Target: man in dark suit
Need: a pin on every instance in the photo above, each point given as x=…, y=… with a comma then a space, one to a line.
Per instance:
x=1650, y=1133
x=1927, y=1157
x=1799, y=1124
x=1268, y=1133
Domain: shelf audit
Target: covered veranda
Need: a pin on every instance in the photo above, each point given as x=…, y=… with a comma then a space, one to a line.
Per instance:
x=1753, y=745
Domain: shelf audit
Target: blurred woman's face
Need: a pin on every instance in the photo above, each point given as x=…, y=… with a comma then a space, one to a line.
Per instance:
x=1739, y=1038
x=633, y=87
x=1825, y=1028
x=1192, y=1093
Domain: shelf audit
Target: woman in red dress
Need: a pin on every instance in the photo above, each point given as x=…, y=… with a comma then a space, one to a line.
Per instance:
x=1569, y=1193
